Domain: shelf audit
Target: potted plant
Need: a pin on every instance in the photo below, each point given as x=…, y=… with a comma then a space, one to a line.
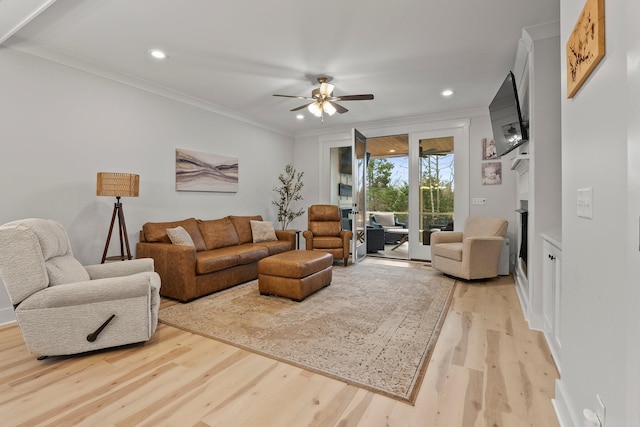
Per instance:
x=288, y=192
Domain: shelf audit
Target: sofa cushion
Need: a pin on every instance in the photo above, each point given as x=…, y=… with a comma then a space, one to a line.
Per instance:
x=216, y=260
x=65, y=269
x=250, y=252
x=243, y=226
x=157, y=232
x=263, y=231
x=276, y=247
x=448, y=250
x=327, y=242
x=325, y=228
x=179, y=236
x=218, y=233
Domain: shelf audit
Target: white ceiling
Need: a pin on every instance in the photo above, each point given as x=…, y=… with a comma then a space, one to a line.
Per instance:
x=231, y=56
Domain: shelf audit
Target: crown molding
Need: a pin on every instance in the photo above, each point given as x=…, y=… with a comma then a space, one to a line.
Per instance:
x=129, y=80
x=15, y=14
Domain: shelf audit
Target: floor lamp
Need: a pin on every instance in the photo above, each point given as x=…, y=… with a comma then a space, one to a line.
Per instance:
x=118, y=185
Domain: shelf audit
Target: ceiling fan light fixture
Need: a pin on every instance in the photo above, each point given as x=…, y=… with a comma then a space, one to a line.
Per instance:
x=315, y=108
x=326, y=89
x=322, y=100
x=328, y=108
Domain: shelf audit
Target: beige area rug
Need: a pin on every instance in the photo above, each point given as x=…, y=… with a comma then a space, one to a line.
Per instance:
x=374, y=327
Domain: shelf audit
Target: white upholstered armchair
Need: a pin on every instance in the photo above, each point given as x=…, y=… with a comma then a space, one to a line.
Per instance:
x=65, y=308
x=473, y=253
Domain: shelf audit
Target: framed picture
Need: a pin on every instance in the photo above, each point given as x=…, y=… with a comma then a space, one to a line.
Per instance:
x=345, y=160
x=586, y=45
x=491, y=173
x=205, y=172
x=489, y=150
x=345, y=190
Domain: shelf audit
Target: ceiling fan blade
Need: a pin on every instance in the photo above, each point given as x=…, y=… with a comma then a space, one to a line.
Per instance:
x=301, y=107
x=297, y=97
x=339, y=108
x=366, y=97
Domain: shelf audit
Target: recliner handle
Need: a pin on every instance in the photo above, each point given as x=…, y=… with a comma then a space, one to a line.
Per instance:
x=94, y=335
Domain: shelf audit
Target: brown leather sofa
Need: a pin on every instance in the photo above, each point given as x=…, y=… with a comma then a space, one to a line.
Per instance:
x=223, y=254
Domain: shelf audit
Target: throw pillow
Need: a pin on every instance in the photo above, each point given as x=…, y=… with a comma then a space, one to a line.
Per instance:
x=157, y=232
x=263, y=231
x=179, y=236
x=385, y=219
x=243, y=226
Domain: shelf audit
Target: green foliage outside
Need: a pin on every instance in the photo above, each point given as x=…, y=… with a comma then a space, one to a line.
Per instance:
x=436, y=186
x=382, y=194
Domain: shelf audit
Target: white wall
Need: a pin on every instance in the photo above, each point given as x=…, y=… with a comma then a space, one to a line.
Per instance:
x=600, y=277
x=60, y=126
x=632, y=303
x=501, y=199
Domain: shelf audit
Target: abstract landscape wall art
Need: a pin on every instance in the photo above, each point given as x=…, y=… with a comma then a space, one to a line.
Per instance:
x=205, y=172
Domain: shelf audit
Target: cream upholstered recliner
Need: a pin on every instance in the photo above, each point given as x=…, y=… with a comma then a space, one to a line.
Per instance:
x=473, y=253
x=64, y=308
x=325, y=232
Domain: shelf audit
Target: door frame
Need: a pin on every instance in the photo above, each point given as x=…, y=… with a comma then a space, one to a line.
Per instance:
x=461, y=152
x=416, y=249
x=359, y=200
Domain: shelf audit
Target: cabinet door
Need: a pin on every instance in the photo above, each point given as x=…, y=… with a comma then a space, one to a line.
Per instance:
x=552, y=295
x=557, y=291
x=548, y=288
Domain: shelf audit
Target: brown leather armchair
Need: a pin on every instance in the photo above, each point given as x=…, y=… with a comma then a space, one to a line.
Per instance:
x=325, y=232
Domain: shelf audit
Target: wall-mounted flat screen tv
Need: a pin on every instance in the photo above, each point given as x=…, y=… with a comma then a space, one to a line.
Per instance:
x=509, y=129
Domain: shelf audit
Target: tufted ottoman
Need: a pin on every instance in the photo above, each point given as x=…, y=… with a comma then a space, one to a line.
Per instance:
x=294, y=274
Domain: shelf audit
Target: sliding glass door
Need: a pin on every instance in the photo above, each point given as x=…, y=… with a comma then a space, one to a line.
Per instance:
x=359, y=208
x=433, y=193
x=434, y=158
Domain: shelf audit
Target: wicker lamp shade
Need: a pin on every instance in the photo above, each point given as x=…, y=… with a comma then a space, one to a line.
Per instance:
x=117, y=184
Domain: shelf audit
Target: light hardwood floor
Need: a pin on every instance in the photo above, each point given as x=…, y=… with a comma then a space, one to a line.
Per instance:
x=488, y=369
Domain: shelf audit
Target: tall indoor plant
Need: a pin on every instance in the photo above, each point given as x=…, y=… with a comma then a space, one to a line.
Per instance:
x=288, y=192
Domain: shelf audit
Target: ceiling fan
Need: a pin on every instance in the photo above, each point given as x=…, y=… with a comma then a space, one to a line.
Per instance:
x=324, y=101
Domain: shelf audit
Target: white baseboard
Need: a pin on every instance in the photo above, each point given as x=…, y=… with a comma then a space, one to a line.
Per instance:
x=563, y=407
x=7, y=316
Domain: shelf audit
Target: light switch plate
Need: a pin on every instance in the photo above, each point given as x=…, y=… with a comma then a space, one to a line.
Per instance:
x=585, y=203
x=479, y=201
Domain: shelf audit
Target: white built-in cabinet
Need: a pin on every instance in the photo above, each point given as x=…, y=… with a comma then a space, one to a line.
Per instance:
x=552, y=293
x=538, y=164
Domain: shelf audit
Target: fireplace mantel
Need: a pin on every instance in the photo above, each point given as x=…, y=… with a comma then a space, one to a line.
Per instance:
x=520, y=163
x=538, y=162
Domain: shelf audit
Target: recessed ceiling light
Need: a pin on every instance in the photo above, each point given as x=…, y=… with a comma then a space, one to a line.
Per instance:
x=447, y=92
x=392, y=151
x=157, y=53
x=300, y=116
